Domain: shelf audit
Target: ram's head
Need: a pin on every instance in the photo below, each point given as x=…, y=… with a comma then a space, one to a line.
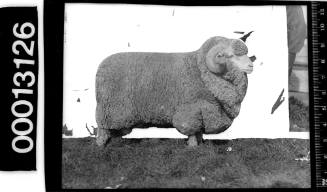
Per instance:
x=225, y=54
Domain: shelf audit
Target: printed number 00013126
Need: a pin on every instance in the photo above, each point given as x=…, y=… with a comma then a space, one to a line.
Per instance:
x=23, y=78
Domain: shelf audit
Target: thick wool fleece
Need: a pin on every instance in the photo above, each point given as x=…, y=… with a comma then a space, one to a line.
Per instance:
x=228, y=88
x=165, y=90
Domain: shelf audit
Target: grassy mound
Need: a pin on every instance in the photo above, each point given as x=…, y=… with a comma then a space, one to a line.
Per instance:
x=169, y=163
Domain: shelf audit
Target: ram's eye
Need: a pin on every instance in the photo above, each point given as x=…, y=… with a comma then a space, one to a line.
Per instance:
x=229, y=55
x=219, y=55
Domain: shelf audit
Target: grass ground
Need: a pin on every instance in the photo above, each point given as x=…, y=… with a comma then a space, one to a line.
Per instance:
x=170, y=163
x=299, y=115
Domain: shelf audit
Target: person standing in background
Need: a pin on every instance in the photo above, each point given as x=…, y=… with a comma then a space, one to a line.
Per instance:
x=296, y=33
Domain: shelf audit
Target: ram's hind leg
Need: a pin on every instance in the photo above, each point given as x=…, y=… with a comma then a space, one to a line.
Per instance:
x=107, y=135
x=103, y=135
x=116, y=135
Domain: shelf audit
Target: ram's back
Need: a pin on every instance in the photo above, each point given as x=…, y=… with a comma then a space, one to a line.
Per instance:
x=151, y=84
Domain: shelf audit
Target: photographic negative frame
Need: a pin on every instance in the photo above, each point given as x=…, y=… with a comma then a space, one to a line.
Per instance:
x=54, y=12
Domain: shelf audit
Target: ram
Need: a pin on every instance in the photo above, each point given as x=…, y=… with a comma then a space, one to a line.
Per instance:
x=195, y=92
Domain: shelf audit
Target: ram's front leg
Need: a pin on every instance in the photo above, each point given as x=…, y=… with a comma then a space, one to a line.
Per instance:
x=195, y=140
x=188, y=121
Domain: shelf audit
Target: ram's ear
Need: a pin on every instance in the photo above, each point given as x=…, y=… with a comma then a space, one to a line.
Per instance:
x=216, y=61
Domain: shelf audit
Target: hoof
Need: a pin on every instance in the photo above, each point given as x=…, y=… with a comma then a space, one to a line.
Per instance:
x=194, y=140
x=102, y=141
